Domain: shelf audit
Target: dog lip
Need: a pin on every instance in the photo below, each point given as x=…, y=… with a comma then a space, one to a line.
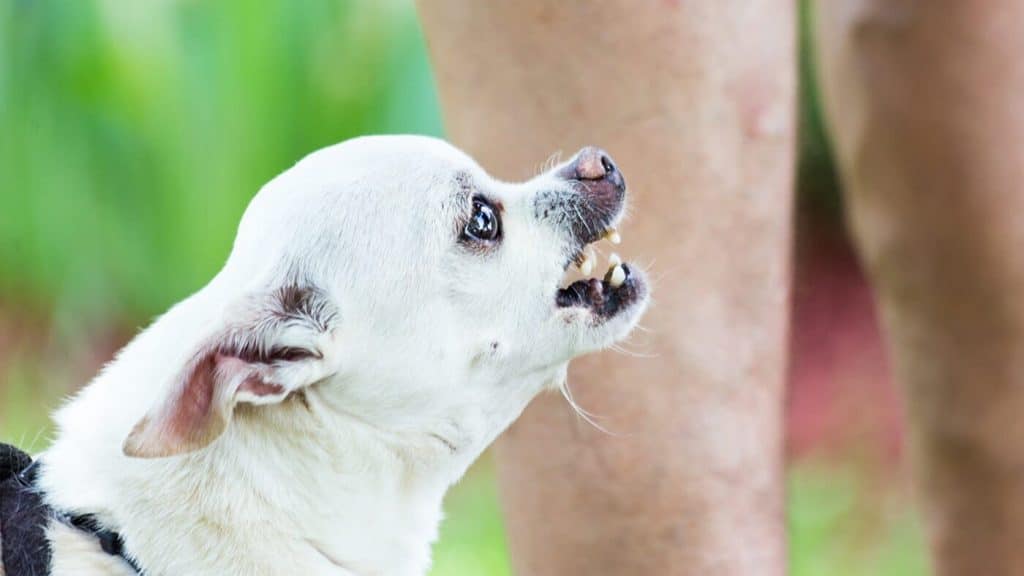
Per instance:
x=600, y=297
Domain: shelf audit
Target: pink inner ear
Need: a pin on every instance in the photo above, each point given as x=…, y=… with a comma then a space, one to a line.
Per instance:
x=199, y=410
x=188, y=422
x=231, y=366
x=259, y=387
x=193, y=408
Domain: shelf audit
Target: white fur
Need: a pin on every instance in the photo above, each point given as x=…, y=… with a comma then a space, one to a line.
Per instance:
x=432, y=345
x=77, y=554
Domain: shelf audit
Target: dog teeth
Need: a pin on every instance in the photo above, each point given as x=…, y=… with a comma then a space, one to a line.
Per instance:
x=613, y=236
x=614, y=260
x=587, y=265
x=617, y=276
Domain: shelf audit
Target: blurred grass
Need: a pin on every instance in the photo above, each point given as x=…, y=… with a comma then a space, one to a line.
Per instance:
x=132, y=135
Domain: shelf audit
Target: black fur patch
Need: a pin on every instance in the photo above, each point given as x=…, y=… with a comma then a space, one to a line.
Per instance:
x=23, y=518
x=292, y=304
x=295, y=302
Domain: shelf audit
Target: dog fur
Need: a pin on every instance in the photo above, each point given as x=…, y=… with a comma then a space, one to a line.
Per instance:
x=306, y=411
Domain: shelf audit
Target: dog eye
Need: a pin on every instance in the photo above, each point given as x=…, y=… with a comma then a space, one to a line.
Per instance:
x=484, y=223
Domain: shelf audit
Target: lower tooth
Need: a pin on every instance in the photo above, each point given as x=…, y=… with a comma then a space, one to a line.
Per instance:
x=618, y=276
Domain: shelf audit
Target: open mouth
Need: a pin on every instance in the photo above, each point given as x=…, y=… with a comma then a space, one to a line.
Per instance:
x=607, y=296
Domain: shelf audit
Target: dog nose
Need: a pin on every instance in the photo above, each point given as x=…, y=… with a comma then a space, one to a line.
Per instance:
x=599, y=194
x=595, y=165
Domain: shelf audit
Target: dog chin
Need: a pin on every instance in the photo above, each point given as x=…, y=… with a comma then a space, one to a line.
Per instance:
x=597, y=321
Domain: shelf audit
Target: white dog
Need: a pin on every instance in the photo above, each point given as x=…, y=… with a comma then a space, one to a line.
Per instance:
x=387, y=310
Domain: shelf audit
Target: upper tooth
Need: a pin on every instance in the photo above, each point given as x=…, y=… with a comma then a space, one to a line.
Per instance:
x=618, y=276
x=587, y=265
x=614, y=259
x=613, y=236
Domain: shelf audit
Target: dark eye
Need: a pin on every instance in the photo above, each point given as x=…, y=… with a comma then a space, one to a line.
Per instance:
x=484, y=223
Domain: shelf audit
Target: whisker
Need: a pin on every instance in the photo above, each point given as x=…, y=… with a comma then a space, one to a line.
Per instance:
x=580, y=411
x=641, y=328
x=618, y=348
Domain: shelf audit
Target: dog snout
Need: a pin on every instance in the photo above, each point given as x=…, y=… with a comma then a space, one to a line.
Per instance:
x=601, y=189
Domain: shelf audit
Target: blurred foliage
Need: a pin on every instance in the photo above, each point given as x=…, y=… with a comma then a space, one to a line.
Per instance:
x=817, y=181
x=134, y=133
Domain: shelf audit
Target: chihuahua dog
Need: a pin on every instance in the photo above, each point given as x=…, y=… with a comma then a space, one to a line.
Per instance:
x=386, y=311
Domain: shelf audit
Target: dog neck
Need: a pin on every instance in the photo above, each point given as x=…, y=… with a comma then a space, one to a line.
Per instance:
x=307, y=486
x=299, y=487
x=326, y=496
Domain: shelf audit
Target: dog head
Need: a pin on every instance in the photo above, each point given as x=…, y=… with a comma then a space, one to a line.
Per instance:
x=399, y=283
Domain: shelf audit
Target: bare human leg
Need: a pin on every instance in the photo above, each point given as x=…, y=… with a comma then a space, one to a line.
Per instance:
x=695, y=101
x=924, y=102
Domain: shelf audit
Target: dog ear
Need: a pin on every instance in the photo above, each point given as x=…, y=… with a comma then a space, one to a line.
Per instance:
x=276, y=351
